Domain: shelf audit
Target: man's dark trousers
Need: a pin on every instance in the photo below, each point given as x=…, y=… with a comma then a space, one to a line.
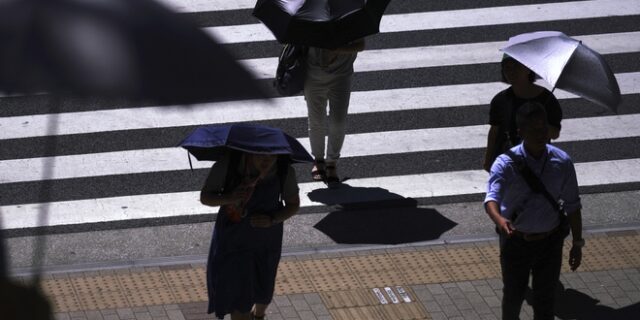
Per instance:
x=541, y=258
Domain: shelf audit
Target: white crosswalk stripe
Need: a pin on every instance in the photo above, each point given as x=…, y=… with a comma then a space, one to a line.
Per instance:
x=281, y=108
x=23, y=170
x=356, y=145
x=186, y=203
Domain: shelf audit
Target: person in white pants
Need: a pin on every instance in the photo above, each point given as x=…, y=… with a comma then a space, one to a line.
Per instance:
x=329, y=75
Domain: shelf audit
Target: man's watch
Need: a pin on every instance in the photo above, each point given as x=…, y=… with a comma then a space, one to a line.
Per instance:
x=578, y=243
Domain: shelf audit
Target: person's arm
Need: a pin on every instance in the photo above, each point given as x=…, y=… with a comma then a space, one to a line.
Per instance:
x=575, y=255
x=291, y=207
x=291, y=204
x=491, y=148
x=213, y=193
x=351, y=47
x=213, y=199
x=493, y=210
x=495, y=191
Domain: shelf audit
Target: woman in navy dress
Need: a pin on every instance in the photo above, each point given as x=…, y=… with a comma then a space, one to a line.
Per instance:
x=256, y=194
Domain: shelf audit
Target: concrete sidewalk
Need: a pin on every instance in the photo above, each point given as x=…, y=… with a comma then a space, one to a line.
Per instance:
x=450, y=281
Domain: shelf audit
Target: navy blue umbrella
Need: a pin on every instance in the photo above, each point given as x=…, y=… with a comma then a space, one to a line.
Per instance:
x=212, y=142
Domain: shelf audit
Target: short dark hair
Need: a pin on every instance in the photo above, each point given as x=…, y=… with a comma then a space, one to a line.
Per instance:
x=528, y=111
x=532, y=75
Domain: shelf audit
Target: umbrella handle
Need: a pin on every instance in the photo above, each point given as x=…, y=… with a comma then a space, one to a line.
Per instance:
x=190, y=164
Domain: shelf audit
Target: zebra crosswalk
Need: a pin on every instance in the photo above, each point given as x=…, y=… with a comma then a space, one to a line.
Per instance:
x=417, y=119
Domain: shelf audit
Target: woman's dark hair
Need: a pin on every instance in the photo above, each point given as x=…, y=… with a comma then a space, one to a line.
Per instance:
x=532, y=75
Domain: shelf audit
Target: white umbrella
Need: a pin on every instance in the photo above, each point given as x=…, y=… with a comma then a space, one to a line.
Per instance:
x=567, y=64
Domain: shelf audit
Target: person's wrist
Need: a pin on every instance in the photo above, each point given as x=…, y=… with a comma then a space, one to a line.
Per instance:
x=578, y=243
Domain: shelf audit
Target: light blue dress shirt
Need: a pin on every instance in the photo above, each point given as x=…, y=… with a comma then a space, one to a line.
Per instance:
x=532, y=211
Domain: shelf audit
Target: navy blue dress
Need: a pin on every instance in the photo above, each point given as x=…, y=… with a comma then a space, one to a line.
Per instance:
x=243, y=260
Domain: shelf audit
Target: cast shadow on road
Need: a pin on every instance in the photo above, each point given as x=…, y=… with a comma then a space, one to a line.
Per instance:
x=573, y=304
x=377, y=216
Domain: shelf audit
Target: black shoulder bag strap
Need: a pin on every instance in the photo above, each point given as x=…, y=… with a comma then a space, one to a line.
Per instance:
x=533, y=181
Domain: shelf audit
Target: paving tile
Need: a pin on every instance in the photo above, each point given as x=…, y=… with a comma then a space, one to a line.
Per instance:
x=320, y=310
x=495, y=283
x=175, y=314
x=300, y=305
x=307, y=315
x=439, y=316
x=455, y=293
x=312, y=298
x=451, y=311
x=282, y=301
x=125, y=313
x=61, y=316
x=604, y=297
x=431, y=306
x=108, y=312
x=143, y=316
x=485, y=290
x=288, y=312
x=462, y=304
x=422, y=293
x=616, y=292
x=436, y=289
x=469, y=314
x=489, y=316
x=94, y=315
x=466, y=286
x=157, y=311
x=443, y=299
x=168, y=307
x=493, y=301
x=139, y=309
x=627, y=286
x=623, y=302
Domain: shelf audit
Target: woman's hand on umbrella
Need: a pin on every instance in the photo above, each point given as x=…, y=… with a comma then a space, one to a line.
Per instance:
x=238, y=195
x=261, y=221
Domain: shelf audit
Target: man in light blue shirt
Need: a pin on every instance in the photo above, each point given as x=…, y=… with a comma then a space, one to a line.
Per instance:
x=531, y=228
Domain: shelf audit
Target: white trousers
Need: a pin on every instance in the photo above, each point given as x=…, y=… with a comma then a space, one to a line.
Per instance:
x=319, y=88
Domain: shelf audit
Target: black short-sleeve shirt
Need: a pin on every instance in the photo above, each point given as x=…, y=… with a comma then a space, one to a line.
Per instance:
x=504, y=107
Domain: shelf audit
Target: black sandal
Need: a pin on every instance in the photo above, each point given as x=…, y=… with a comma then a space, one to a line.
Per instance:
x=318, y=172
x=332, y=181
x=254, y=317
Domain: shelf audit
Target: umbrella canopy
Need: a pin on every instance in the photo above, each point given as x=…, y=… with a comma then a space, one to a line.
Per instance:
x=321, y=23
x=212, y=142
x=133, y=49
x=567, y=64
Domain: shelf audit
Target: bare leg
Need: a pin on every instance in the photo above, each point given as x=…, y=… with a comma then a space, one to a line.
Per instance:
x=259, y=310
x=235, y=315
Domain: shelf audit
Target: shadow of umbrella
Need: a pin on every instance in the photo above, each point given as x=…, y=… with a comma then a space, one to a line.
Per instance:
x=377, y=216
x=136, y=50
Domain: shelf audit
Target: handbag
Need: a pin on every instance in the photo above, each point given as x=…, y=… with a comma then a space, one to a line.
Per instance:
x=292, y=69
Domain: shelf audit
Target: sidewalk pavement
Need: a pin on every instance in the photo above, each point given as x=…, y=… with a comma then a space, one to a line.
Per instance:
x=450, y=281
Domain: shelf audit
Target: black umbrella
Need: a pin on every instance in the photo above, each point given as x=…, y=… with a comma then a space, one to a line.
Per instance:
x=321, y=23
x=133, y=49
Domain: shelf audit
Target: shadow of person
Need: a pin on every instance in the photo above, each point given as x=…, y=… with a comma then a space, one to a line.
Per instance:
x=377, y=216
x=573, y=304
